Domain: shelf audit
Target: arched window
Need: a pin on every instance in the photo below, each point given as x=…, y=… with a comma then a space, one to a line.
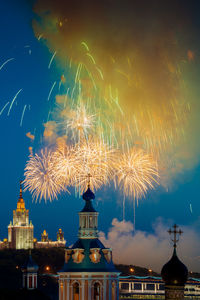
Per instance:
x=113, y=291
x=97, y=291
x=76, y=291
x=91, y=222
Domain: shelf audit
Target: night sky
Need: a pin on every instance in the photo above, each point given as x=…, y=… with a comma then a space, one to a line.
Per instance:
x=176, y=198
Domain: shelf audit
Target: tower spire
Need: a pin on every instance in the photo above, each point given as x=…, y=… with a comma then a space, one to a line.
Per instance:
x=89, y=176
x=20, y=189
x=20, y=202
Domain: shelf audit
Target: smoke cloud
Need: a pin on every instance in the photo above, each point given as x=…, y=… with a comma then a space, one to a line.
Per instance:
x=151, y=250
x=145, y=53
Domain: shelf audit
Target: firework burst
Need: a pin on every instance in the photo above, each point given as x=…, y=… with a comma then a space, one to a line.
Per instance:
x=136, y=172
x=65, y=161
x=93, y=162
x=41, y=177
x=79, y=122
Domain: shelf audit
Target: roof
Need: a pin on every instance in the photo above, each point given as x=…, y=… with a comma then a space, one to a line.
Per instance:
x=174, y=272
x=88, y=196
x=87, y=265
x=30, y=265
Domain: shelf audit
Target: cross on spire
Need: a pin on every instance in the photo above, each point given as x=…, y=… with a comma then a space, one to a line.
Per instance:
x=89, y=176
x=176, y=233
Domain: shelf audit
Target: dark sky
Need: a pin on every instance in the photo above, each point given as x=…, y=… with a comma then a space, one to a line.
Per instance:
x=28, y=70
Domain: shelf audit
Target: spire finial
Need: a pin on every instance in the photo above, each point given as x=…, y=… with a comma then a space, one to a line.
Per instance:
x=176, y=233
x=89, y=176
x=20, y=191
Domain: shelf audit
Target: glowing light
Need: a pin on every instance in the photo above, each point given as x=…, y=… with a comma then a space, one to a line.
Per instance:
x=22, y=117
x=51, y=90
x=40, y=177
x=4, y=108
x=51, y=60
x=136, y=172
x=79, y=122
x=13, y=101
x=10, y=59
x=94, y=161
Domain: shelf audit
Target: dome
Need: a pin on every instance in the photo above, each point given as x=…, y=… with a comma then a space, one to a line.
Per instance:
x=174, y=272
x=88, y=196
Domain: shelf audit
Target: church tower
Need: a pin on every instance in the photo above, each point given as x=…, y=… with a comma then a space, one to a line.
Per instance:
x=20, y=231
x=174, y=273
x=88, y=271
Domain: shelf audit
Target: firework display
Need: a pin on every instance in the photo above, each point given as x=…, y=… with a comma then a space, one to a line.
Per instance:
x=117, y=110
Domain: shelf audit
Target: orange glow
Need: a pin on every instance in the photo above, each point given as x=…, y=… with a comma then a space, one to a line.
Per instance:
x=47, y=268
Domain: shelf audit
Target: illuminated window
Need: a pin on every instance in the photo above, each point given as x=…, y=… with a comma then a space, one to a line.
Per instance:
x=76, y=291
x=107, y=254
x=91, y=222
x=84, y=222
x=97, y=291
x=95, y=256
x=67, y=254
x=113, y=291
x=30, y=282
x=78, y=255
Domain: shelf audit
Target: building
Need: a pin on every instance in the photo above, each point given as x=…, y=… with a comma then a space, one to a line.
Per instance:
x=47, y=243
x=88, y=272
x=20, y=230
x=29, y=271
x=153, y=287
x=174, y=273
x=141, y=286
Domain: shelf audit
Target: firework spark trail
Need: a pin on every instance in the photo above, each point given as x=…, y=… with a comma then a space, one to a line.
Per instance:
x=47, y=174
x=10, y=59
x=85, y=45
x=40, y=177
x=158, y=123
x=65, y=164
x=93, y=159
x=13, y=101
x=51, y=60
x=40, y=36
x=136, y=172
x=22, y=117
x=79, y=122
x=51, y=90
x=4, y=108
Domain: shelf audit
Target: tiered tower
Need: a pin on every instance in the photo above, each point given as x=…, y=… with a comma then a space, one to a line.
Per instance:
x=88, y=272
x=20, y=231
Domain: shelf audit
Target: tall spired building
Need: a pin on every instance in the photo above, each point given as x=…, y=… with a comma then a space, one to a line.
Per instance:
x=20, y=231
x=88, y=272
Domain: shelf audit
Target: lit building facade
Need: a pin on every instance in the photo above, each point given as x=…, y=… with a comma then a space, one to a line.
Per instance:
x=47, y=243
x=20, y=231
x=88, y=272
x=152, y=287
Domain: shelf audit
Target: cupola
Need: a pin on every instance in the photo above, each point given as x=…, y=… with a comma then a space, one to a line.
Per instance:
x=88, y=217
x=174, y=273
